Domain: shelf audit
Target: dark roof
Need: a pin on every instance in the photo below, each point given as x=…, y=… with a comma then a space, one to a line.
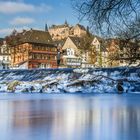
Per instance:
x=81, y=26
x=59, y=42
x=99, y=38
x=1, y=41
x=58, y=26
x=76, y=40
x=35, y=36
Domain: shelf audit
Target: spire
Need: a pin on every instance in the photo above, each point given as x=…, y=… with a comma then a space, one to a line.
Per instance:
x=87, y=28
x=88, y=31
x=66, y=23
x=46, y=27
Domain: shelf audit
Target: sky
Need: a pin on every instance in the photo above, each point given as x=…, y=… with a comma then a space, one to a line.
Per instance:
x=26, y=14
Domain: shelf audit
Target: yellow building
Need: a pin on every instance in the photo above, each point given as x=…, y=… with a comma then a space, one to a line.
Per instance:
x=75, y=55
x=59, y=32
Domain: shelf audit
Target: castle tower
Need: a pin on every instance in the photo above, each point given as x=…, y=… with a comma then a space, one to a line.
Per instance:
x=46, y=27
x=66, y=23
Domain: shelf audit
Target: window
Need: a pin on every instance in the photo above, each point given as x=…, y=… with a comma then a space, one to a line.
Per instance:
x=7, y=58
x=3, y=57
x=43, y=65
x=30, y=56
x=70, y=51
x=48, y=57
x=3, y=66
x=121, y=55
x=52, y=57
x=1, y=50
x=53, y=49
x=5, y=50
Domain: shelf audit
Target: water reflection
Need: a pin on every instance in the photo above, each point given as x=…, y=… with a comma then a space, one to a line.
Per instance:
x=71, y=118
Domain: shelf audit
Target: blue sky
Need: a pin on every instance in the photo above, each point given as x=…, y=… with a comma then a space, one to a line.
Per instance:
x=26, y=14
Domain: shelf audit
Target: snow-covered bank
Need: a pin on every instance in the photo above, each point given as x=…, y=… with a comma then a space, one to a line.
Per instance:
x=70, y=80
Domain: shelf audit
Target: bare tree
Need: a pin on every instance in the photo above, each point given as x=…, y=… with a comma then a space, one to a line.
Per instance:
x=114, y=18
x=129, y=41
x=105, y=15
x=12, y=39
x=86, y=42
x=86, y=48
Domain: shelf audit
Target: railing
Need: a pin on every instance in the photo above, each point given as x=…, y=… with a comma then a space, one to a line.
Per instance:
x=42, y=61
x=44, y=52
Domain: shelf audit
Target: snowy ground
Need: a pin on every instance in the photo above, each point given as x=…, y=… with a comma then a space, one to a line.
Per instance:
x=70, y=80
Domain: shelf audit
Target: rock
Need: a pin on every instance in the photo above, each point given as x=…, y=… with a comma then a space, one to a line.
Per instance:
x=81, y=70
x=12, y=85
x=83, y=83
x=25, y=90
x=120, y=88
x=32, y=89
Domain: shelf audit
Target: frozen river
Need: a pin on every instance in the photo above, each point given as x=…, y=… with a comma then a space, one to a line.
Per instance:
x=69, y=117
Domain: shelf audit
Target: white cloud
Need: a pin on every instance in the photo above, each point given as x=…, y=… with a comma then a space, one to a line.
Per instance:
x=22, y=21
x=14, y=7
x=10, y=7
x=7, y=31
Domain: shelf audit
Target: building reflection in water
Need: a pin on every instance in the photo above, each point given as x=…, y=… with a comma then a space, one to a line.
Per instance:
x=80, y=118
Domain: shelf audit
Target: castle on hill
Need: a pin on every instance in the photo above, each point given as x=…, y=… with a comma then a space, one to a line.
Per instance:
x=59, y=32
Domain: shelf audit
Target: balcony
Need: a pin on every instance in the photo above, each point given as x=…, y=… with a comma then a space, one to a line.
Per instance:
x=72, y=61
x=43, y=52
x=42, y=61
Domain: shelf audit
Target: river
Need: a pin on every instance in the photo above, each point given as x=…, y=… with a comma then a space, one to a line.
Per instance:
x=69, y=116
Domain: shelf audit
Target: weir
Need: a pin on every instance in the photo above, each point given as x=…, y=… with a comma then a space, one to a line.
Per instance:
x=65, y=80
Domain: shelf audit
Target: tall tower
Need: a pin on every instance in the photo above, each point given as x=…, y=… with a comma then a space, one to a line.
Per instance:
x=46, y=27
x=66, y=23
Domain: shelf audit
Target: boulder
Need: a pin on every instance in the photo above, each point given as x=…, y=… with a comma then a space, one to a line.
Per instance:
x=12, y=85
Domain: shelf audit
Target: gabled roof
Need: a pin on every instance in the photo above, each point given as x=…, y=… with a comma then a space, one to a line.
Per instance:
x=103, y=46
x=60, y=42
x=81, y=27
x=100, y=39
x=35, y=36
x=95, y=40
x=76, y=40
